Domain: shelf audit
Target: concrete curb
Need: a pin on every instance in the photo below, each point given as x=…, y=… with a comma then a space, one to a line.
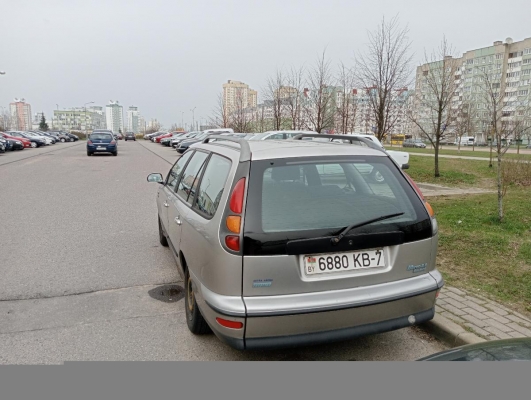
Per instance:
x=450, y=332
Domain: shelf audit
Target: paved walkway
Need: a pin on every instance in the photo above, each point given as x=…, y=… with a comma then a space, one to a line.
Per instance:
x=450, y=156
x=479, y=315
x=430, y=190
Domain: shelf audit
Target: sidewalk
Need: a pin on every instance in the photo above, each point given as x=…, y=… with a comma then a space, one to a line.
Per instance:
x=472, y=318
x=430, y=190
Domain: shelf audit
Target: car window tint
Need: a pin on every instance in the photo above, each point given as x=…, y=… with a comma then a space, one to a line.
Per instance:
x=100, y=136
x=188, y=182
x=175, y=172
x=212, y=185
x=334, y=194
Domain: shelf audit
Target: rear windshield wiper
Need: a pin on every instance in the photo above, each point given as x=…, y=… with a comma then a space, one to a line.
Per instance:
x=336, y=239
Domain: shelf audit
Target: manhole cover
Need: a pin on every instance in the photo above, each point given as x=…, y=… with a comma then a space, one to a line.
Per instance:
x=167, y=293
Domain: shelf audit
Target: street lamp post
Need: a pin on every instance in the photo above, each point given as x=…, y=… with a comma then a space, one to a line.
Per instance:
x=193, y=121
x=85, y=105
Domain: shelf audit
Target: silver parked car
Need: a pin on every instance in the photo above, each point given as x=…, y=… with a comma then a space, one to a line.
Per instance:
x=285, y=243
x=414, y=143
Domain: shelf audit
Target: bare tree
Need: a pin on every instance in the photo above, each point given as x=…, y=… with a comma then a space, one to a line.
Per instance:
x=241, y=116
x=347, y=106
x=383, y=70
x=295, y=83
x=176, y=127
x=220, y=115
x=464, y=122
x=274, y=94
x=432, y=112
x=318, y=102
x=507, y=113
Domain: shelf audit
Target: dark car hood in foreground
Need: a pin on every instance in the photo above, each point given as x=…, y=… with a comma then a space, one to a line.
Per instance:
x=495, y=350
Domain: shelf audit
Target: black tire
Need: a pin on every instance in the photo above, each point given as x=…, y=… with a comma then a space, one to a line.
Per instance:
x=89, y=153
x=162, y=239
x=115, y=153
x=195, y=321
x=34, y=145
x=63, y=140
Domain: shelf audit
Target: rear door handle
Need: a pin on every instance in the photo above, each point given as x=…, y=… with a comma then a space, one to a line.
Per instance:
x=178, y=221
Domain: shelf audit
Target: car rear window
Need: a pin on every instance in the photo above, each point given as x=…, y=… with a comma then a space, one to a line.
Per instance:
x=305, y=198
x=101, y=136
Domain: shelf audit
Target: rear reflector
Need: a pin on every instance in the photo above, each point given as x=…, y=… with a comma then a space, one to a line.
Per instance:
x=236, y=199
x=233, y=223
x=229, y=324
x=233, y=242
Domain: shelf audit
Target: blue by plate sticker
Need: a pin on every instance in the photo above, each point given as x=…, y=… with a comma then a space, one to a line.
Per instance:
x=262, y=282
x=417, y=268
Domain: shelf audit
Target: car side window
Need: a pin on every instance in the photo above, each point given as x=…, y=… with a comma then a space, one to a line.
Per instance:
x=188, y=182
x=212, y=185
x=275, y=136
x=175, y=172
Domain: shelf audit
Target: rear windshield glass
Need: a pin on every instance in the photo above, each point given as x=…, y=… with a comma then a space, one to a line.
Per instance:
x=288, y=197
x=101, y=136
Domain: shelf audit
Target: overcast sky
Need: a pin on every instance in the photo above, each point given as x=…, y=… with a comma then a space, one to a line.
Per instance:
x=169, y=56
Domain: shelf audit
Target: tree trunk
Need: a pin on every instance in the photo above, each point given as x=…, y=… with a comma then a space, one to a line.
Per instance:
x=436, y=149
x=500, y=189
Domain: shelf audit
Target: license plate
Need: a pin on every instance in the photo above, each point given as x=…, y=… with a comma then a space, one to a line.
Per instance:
x=101, y=148
x=338, y=262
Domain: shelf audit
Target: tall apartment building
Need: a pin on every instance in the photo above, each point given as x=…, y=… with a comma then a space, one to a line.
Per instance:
x=132, y=119
x=79, y=119
x=238, y=95
x=20, y=115
x=507, y=65
x=114, y=116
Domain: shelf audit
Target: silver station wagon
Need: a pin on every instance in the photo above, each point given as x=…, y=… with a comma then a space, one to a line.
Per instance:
x=289, y=242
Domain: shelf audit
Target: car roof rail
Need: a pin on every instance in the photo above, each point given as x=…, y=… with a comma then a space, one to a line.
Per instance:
x=245, y=149
x=351, y=138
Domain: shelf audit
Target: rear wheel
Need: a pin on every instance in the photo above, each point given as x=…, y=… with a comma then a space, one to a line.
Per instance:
x=115, y=153
x=33, y=144
x=89, y=153
x=195, y=321
x=162, y=239
x=63, y=140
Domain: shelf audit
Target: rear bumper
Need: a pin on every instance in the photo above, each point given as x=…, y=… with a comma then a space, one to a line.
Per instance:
x=108, y=149
x=313, y=318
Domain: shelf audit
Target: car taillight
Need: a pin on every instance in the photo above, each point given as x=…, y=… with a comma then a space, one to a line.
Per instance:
x=233, y=222
x=113, y=142
x=236, y=199
x=417, y=189
x=233, y=242
x=89, y=141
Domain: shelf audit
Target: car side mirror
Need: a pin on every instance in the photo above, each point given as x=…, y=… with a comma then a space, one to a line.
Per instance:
x=155, y=178
x=405, y=166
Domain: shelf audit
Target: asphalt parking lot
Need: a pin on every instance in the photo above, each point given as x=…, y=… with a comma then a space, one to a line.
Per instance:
x=83, y=276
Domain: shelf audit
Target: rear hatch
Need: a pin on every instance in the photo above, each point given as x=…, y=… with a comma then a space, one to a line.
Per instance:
x=101, y=139
x=297, y=208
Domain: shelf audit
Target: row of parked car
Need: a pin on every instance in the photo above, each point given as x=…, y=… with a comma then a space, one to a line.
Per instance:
x=20, y=140
x=182, y=141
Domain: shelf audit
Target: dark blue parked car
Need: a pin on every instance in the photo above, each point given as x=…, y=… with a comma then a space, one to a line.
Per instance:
x=101, y=142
